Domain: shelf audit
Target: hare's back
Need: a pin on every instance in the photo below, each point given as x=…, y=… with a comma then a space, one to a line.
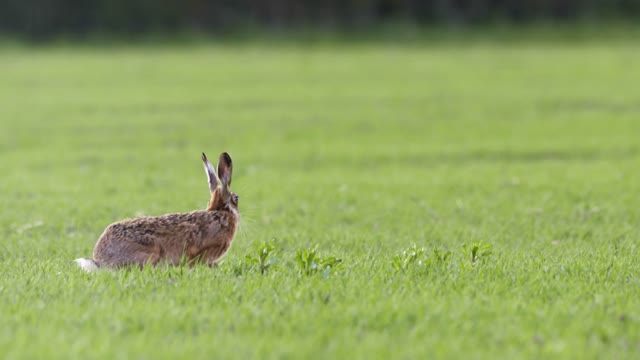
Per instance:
x=146, y=230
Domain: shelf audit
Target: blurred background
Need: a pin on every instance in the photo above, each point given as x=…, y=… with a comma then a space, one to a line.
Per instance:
x=41, y=19
x=336, y=113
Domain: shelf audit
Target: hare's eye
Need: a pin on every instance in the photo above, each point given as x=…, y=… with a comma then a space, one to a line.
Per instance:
x=235, y=199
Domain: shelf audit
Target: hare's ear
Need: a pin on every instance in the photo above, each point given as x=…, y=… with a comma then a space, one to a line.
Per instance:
x=211, y=174
x=225, y=168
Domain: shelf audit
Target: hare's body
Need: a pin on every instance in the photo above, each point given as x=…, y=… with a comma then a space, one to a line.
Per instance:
x=202, y=235
x=196, y=236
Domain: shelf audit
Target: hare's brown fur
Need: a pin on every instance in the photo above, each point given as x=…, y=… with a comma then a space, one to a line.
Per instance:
x=201, y=235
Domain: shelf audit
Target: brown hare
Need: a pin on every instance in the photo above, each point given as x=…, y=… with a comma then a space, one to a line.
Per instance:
x=201, y=235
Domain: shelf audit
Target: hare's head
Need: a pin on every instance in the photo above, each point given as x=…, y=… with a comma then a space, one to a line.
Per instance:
x=221, y=196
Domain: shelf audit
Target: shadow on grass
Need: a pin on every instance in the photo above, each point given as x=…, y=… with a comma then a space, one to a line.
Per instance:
x=534, y=156
x=591, y=105
x=475, y=157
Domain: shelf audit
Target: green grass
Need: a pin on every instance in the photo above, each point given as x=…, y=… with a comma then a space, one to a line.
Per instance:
x=398, y=161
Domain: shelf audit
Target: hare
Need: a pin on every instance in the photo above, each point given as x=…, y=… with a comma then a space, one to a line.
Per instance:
x=201, y=235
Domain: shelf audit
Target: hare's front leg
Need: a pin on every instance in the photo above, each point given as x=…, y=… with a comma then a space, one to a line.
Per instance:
x=212, y=254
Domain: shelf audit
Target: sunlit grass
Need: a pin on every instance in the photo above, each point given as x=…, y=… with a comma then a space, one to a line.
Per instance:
x=472, y=201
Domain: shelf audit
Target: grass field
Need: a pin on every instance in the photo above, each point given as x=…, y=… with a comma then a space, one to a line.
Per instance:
x=483, y=200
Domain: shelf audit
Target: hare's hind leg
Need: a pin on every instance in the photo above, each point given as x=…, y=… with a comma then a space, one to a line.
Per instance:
x=115, y=255
x=147, y=256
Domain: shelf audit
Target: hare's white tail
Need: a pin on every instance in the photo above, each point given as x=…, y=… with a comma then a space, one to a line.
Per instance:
x=87, y=265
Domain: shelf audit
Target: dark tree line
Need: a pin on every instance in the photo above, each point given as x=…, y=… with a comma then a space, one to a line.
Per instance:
x=40, y=18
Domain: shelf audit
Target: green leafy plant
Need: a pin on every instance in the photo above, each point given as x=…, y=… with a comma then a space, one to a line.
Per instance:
x=263, y=258
x=415, y=257
x=441, y=256
x=310, y=262
x=477, y=251
x=410, y=257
